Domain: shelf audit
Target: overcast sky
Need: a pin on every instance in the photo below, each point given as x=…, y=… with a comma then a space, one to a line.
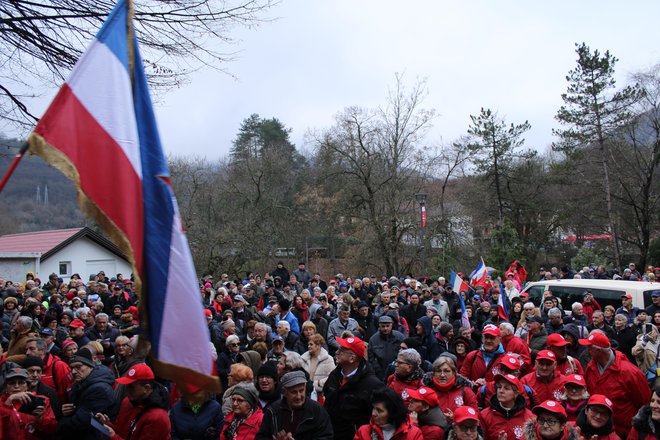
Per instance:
x=320, y=56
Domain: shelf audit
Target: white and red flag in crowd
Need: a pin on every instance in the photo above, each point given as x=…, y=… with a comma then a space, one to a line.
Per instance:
x=458, y=285
x=100, y=131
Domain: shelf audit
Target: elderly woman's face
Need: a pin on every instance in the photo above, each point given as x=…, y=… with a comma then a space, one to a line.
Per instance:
x=443, y=373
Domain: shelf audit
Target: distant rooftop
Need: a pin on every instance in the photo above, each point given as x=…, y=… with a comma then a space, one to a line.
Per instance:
x=41, y=241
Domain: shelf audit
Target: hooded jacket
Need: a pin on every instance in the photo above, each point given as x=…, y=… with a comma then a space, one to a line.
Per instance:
x=407, y=431
x=147, y=420
x=248, y=428
x=430, y=349
x=616, y=382
x=458, y=395
x=432, y=423
x=205, y=424
x=643, y=427
x=324, y=366
x=530, y=432
x=93, y=395
x=496, y=419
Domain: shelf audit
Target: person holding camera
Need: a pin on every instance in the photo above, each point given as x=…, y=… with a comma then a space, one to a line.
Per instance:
x=25, y=415
x=646, y=352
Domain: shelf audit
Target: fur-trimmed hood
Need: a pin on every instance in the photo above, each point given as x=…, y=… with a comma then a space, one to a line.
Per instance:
x=529, y=431
x=642, y=421
x=451, y=434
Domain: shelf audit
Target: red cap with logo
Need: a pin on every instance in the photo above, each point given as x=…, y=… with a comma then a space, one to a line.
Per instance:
x=599, y=399
x=136, y=372
x=551, y=406
x=510, y=361
x=597, y=339
x=491, y=330
x=424, y=394
x=547, y=355
x=354, y=344
x=463, y=413
x=77, y=323
x=575, y=379
x=556, y=340
x=513, y=380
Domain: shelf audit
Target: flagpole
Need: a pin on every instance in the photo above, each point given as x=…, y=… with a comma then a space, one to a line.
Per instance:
x=130, y=34
x=13, y=165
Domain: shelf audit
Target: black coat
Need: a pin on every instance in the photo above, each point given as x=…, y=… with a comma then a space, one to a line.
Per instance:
x=349, y=406
x=92, y=395
x=315, y=423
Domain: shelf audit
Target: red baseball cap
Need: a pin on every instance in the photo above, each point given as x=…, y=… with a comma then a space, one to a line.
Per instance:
x=424, y=394
x=76, y=323
x=510, y=361
x=492, y=330
x=463, y=413
x=599, y=399
x=556, y=340
x=547, y=355
x=551, y=406
x=513, y=380
x=207, y=313
x=597, y=339
x=575, y=379
x=627, y=295
x=137, y=372
x=354, y=344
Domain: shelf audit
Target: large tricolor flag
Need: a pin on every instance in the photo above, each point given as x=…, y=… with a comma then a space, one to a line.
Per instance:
x=100, y=131
x=478, y=276
x=502, y=309
x=456, y=281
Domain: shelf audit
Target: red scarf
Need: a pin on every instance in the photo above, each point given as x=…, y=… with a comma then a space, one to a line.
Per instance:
x=444, y=387
x=303, y=311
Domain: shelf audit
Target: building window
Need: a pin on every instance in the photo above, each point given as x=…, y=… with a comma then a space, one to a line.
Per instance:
x=65, y=267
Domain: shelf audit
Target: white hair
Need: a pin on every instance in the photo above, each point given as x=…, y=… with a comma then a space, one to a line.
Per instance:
x=508, y=326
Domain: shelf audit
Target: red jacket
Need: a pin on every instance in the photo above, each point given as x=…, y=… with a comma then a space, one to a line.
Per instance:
x=570, y=365
x=552, y=390
x=21, y=426
x=617, y=382
x=514, y=344
x=459, y=395
x=248, y=429
x=57, y=375
x=407, y=431
x=399, y=386
x=475, y=366
x=495, y=420
x=150, y=424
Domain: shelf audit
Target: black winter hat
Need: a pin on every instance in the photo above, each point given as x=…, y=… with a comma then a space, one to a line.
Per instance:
x=269, y=369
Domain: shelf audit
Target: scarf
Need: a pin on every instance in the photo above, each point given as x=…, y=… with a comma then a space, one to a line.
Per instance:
x=232, y=429
x=303, y=311
x=444, y=387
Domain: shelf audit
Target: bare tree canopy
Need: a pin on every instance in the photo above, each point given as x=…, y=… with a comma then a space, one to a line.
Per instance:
x=40, y=41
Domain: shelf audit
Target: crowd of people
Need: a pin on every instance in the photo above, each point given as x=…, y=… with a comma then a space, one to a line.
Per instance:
x=301, y=357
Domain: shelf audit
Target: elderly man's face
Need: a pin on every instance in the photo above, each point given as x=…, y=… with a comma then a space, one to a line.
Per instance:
x=385, y=328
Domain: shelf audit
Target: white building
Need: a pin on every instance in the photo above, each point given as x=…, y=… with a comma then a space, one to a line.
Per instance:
x=63, y=252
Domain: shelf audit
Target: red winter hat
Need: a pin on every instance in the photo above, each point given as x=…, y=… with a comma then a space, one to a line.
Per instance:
x=463, y=413
x=77, y=323
x=208, y=313
x=597, y=339
x=67, y=343
x=556, y=340
x=354, y=344
x=599, y=399
x=551, y=406
x=424, y=394
x=492, y=330
x=575, y=379
x=137, y=372
x=547, y=355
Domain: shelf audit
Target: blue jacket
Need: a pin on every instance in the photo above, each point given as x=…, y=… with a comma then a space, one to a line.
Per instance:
x=292, y=320
x=204, y=425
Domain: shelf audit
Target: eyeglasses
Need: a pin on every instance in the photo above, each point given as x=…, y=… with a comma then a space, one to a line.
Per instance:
x=398, y=362
x=598, y=412
x=468, y=428
x=234, y=344
x=547, y=422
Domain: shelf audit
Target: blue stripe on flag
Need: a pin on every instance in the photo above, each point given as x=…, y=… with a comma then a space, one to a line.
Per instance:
x=113, y=32
x=158, y=206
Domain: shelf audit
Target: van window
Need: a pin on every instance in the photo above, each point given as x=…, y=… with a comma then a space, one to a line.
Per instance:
x=535, y=294
x=569, y=295
x=647, y=297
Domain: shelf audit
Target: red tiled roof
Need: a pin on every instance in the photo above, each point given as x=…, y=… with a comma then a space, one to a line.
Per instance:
x=42, y=241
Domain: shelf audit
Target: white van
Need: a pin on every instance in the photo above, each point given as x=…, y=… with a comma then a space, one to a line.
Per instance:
x=606, y=292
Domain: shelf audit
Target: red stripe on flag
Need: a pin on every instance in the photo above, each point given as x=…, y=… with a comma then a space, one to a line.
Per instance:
x=100, y=162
